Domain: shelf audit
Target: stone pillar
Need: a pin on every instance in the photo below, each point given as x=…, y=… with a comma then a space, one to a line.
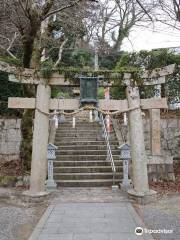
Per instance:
x=40, y=141
x=155, y=131
x=141, y=192
x=139, y=158
x=155, y=126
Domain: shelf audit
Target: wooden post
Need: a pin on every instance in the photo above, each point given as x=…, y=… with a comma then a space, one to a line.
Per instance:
x=139, y=159
x=40, y=141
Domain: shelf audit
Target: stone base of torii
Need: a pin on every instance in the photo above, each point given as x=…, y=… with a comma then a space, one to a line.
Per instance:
x=43, y=104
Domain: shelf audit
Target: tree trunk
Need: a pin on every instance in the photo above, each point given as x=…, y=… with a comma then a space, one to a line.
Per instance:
x=37, y=51
x=28, y=43
x=122, y=34
x=31, y=59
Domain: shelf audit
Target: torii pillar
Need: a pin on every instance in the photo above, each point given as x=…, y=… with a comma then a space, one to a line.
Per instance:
x=40, y=141
x=141, y=192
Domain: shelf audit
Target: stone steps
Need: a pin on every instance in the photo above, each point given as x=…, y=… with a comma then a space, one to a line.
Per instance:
x=84, y=169
x=86, y=176
x=79, y=125
x=84, y=147
x=84, y=157
x=80, y=129
x=85, y=143
x=83, y=138
x=79, y=135
x=87, y=183
x=81, y=156
x=85, y=152
x=88, y=164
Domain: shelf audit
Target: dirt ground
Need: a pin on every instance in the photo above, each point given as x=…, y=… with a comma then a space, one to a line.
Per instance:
x=163, y=214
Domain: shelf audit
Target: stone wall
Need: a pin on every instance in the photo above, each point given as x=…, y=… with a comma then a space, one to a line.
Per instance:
x=170, y=135
x=159, y=166
x=10, y=138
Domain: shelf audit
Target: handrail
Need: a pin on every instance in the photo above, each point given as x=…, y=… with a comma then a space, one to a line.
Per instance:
x=109, y=151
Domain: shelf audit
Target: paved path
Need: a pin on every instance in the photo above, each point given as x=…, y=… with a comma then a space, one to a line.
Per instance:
x=89, y=218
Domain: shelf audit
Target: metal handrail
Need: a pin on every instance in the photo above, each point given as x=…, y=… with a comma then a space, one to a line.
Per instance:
x=109, y=151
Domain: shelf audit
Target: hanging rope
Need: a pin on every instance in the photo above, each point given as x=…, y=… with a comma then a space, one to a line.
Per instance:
x=86, y=108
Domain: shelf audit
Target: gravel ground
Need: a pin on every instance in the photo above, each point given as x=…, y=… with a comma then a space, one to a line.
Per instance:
x=164, y=214
x=17, y=223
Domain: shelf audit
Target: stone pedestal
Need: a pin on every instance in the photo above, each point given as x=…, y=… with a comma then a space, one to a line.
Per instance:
x=126, y=185
x=115, y=188
x=35, y=197
x=50, y=183
x=142, y=197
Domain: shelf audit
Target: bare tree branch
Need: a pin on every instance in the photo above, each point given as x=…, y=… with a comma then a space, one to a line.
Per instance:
x=144, y=9
x=60, y=52
x=10, y=45
x=74, y=3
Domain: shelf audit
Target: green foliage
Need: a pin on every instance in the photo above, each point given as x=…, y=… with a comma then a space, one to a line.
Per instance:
x=108, y=61
x=8, y=89
x=7, y=181
x=150, y=60
x=46, y=68
x=126, y=60
x=10, y=60
x=61, y=92
x=77, y=58
x=118, y=92
x=101, y=93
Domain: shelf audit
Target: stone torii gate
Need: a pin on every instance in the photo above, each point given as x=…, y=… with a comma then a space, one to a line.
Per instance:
x=133, y=105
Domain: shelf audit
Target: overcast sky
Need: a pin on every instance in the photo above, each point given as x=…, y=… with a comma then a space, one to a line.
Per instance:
x=149, y=38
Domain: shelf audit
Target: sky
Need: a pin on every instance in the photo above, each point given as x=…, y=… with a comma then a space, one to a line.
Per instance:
x=142, y=38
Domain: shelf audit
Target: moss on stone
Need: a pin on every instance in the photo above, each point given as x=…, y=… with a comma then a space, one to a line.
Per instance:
x=8, y=181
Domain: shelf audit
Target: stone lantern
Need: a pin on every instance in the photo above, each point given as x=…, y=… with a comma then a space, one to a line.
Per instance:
x=125, y=155
x=51, y=156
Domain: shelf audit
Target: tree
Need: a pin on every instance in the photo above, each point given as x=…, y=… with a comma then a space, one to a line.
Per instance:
x=112, y=22
x=29, y=17
x=68, y=30
x=31, y=21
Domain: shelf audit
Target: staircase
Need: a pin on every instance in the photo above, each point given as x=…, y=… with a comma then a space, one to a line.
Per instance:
x=81, y=156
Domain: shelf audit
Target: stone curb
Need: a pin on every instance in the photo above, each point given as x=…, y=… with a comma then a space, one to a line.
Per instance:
x=41, y=223
x=138, y=221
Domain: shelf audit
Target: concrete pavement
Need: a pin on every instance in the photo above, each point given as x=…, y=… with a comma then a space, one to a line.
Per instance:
x=85, y=220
